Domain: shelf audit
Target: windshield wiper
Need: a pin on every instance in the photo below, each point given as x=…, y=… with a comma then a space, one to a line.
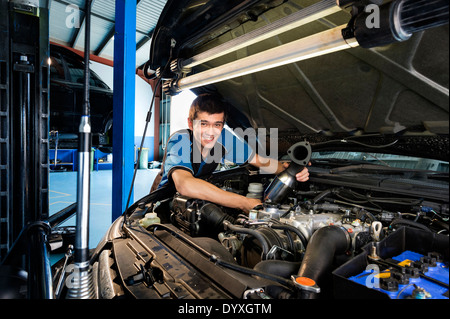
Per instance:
x=340, y=165
x=336, y=161
x=440, y=176
x=378, y=168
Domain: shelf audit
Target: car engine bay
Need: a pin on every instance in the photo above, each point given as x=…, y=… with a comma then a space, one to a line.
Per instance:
x=308, y=244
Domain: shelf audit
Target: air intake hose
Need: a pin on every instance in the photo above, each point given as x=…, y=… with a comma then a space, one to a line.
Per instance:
x=324, y=245
x=213, y=217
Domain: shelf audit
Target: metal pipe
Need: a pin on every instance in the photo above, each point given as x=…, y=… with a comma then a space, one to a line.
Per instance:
x=313, y=12
x=61, y=216
x=315, y=45
x=22, y=171
x=279, y=188
x=81, y=286
x=83, y=210
x=84, y=157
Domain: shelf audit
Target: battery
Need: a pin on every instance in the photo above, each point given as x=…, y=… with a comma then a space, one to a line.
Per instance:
x=419, y=277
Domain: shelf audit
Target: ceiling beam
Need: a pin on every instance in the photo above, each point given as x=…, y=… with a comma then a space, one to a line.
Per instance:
x=112, y=31
x=147, y=38
x=82, y=10
x=105, y=41
x=78, y=33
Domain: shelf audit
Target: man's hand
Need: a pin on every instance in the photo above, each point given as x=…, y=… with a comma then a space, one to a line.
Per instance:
x=249, y=204
x=301, y=176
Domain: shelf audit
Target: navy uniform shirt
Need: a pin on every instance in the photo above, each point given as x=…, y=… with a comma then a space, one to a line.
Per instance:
x=180, y=154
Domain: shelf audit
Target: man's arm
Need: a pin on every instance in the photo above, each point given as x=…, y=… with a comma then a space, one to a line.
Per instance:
x=187, y=185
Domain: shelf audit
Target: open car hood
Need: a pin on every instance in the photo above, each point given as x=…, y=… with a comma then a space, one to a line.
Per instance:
x=381, y=92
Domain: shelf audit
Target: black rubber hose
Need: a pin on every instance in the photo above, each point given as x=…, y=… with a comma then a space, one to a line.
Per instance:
x=213, y=217
x=279, y=268
x=441, y=224
x=253, y=272
x=248, y=231
x=406, y=222
x=369, y=216
x=324, y=245
x=322, y=195
x=291, y=241
x=292, y=229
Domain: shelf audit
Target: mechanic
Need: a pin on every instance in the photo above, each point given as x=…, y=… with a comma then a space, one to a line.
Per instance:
x=196, y=152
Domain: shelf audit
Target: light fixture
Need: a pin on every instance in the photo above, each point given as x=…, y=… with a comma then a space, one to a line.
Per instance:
x=306, y=48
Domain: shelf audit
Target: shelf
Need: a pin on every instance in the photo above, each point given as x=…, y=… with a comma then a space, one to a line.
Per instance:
x=66, y=156
x=101, y=165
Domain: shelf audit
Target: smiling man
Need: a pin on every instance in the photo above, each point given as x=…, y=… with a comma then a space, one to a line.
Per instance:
x=196, y=152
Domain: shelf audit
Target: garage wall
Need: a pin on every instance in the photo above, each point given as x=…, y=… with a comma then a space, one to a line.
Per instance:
x=179, y=110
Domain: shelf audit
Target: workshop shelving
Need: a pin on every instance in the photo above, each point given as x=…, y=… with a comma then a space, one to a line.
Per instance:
x=68, y=158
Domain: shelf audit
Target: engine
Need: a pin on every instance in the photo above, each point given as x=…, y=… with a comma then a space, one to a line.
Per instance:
x=282, y=226
x=309, y=234
x=272, y=231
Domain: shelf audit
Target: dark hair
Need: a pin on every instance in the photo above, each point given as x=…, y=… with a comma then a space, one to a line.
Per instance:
x=209, y=103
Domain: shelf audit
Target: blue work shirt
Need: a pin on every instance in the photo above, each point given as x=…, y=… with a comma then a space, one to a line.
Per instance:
x=180, y=154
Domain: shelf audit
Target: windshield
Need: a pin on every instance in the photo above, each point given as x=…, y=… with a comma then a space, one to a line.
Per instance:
x=388, y=160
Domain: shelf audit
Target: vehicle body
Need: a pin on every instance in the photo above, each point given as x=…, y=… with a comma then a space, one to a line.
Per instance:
x=67, y=98
x=376, y=120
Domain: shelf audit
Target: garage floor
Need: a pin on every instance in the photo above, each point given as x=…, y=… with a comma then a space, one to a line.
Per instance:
x=63, y=192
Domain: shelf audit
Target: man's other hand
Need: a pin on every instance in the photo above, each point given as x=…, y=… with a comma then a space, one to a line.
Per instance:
x=301, y=176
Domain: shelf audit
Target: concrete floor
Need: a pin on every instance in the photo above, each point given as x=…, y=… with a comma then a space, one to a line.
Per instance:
x=63, y=192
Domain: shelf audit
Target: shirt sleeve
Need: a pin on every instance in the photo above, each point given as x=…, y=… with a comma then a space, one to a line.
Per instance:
x=178, y=156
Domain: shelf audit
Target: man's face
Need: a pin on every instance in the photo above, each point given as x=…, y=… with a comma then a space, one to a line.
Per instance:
x=207, y=128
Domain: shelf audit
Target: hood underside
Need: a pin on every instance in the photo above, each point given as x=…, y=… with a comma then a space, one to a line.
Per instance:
x=398, y=93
